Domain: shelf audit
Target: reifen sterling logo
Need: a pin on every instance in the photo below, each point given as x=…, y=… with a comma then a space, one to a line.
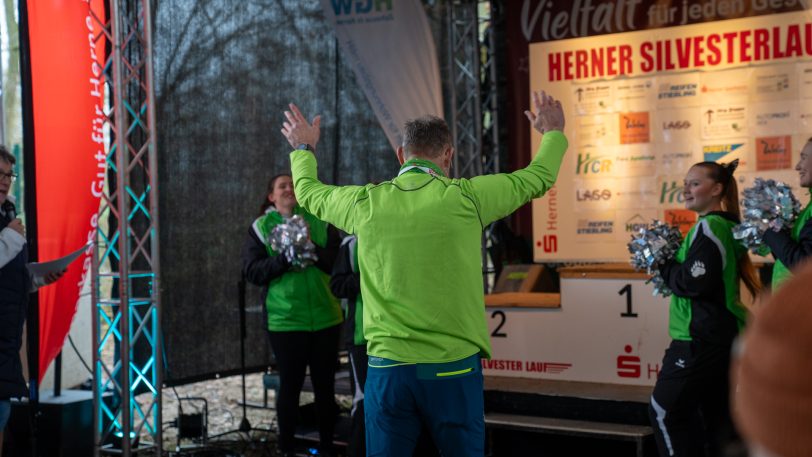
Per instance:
x=670, y=91
x=595, y=227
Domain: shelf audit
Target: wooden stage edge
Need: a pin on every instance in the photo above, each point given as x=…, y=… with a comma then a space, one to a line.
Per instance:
x=602, y=271
x=576, y=389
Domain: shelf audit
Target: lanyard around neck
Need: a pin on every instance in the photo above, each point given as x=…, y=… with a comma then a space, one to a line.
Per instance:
x=423, y=169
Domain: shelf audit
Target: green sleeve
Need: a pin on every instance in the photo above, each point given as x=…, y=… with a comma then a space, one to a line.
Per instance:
x=500, y=194
x=332, y=204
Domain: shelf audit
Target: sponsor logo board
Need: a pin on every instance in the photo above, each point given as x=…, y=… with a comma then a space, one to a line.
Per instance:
x=723, y=121
x=592, y=98
x=634, y=127
x=773, y=153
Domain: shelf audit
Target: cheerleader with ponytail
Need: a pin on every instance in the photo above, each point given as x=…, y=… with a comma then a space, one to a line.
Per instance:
x=689, y=406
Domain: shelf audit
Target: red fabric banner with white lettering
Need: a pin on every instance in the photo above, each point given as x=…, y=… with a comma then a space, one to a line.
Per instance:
x=68, y=94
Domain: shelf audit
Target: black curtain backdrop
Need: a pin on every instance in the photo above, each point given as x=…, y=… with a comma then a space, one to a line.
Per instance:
x=224, y=72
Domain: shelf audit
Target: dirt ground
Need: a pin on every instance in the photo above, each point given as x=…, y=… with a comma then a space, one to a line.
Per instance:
x=224, y=397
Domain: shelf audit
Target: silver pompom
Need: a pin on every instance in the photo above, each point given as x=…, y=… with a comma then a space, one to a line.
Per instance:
x=767, y=205
x=653, y=246
x=291, y=239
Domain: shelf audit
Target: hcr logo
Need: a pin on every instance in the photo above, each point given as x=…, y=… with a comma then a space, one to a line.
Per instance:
x=671, y=193
x=588, y=164
x=361, y=7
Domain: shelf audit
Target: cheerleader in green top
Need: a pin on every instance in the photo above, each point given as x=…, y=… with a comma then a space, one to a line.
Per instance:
x=791, y=247
x=689, y=406
x=303, y=317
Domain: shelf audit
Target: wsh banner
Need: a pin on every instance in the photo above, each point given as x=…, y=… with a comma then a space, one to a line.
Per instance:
x=68, y=101
x=389, y=46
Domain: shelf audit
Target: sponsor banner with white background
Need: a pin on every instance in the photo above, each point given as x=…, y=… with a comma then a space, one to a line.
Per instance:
x=645, y=105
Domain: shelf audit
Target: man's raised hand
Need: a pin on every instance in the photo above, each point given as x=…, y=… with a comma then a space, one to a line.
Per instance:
x=548, y=116
x=298, y=131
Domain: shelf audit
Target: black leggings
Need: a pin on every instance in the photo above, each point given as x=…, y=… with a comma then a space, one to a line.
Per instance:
x=294, y=352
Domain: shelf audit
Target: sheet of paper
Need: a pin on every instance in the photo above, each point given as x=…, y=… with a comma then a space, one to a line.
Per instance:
x=53, y=266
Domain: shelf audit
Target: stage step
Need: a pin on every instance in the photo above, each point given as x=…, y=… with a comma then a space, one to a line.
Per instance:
x=600, y=430
x=585, y=401
x=564, y=418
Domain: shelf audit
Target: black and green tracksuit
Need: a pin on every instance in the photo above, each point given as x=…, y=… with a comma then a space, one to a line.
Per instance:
x=346, y=284
x=790, y=247
x=689, y=405
x=303, y=320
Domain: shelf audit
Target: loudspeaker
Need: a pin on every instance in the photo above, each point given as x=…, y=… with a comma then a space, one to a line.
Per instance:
x=65, y=426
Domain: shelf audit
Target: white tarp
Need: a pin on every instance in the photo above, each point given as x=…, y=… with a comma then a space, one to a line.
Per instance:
x=389, y=46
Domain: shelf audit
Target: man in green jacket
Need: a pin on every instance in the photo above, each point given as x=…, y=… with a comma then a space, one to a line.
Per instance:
x=419, y=247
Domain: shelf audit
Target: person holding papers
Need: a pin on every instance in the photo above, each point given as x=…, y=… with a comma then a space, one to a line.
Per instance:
x=16, y=282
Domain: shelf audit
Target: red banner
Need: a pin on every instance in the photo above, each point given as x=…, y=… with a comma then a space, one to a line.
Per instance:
x=68, y=101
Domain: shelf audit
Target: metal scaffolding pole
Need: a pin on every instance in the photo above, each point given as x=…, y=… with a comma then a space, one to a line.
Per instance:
x=126, y=301
x=474, y=92
x=466, y=123
x=473, y=98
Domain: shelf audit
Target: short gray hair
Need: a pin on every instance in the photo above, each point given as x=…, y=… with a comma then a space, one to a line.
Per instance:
x=427, y=136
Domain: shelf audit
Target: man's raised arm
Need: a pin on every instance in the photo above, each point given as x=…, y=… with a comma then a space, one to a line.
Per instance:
x=332, y=204
x=499, y=195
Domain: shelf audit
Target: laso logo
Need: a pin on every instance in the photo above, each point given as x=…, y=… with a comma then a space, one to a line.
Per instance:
x=671, y=193
x=588, y=164
x=361, y=7
x=586, y=195
x=676, y=125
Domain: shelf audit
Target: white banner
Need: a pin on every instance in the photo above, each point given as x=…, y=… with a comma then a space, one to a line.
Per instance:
x=643, y=106
x=389, y=46
x=606, y=330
